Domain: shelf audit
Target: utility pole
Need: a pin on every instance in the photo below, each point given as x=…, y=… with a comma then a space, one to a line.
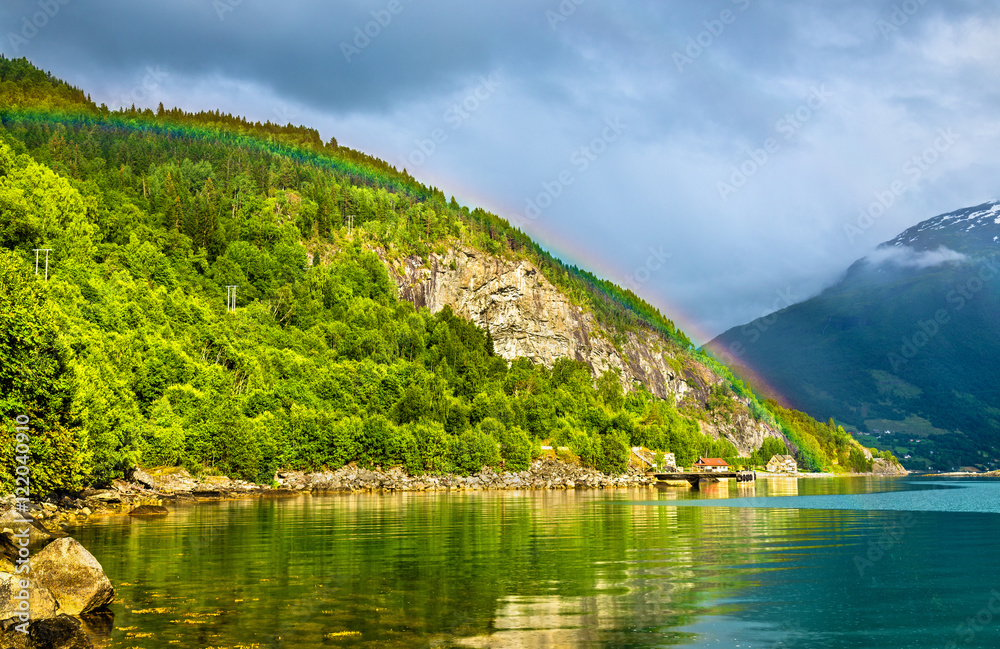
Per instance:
x=46, y=251
x=350, y=223
x=230, y=298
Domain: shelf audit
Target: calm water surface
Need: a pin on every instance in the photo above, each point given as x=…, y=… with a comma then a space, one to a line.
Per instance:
x=782, y=563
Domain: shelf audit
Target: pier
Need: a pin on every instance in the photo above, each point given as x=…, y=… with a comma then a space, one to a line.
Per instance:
x=696, y=477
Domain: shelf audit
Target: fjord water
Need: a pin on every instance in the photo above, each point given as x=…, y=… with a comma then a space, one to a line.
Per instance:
x=779, y=563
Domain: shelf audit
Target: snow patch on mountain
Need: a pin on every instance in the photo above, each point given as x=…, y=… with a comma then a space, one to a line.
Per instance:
x=980, y=222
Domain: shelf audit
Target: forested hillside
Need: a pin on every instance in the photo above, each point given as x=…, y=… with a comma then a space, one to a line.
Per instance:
x=128, y=355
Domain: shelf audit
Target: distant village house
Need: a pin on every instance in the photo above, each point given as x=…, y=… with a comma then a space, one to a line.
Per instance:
x=782, y=464
x=711, y=465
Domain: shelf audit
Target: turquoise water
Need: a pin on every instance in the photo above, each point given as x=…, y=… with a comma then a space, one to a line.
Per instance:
x=783, y=563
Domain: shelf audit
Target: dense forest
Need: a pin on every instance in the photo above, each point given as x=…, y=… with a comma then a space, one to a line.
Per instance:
x=128, y=352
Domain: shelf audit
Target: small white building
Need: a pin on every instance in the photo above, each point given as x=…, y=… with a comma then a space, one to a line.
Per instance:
x=711, y=465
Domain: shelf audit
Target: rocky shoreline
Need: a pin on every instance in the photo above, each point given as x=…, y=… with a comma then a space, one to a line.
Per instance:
x=146, y=493
x=543, y=474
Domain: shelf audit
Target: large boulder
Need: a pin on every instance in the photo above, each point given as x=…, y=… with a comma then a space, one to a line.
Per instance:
x=73, y=576
x=41, y=603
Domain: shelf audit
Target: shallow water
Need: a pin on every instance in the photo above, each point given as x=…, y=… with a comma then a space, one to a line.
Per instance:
x=780, y=563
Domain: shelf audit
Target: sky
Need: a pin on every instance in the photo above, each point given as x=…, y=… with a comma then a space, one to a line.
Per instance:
x=722, y=158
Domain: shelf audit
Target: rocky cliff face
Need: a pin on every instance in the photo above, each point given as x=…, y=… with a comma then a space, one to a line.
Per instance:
x=527, y=316
x=883, y=467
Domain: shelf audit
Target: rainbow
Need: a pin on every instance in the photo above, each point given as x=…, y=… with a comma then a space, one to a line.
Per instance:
x=362, y=169
x=368, y=174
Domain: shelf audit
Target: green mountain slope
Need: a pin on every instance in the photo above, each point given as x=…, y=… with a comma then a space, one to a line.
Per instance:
x=903, y=347
x=129, y=355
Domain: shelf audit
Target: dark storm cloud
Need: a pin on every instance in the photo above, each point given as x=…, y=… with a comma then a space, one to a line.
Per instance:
x=841, y=94
x=315, y=52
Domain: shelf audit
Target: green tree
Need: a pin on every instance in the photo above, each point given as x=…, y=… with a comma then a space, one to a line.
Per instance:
x=515, y=449
x=614, y=453
x=474, y=450
x=36, y=385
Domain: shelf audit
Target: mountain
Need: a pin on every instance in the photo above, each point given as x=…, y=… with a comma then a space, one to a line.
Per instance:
x=905, y=347
x=236, y=297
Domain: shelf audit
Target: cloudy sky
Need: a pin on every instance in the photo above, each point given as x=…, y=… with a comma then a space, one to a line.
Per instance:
x=721, y=157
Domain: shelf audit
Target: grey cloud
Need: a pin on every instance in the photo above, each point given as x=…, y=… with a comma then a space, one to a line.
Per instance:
x=906, y=257
x=657, y=185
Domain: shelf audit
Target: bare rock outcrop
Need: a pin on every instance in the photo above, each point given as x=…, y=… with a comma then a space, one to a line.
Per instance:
x=527, y=316
x=881, y=466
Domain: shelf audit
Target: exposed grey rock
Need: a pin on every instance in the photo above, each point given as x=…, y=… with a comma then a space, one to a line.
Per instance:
x=41, y=602
x=544, y=474
x=527, y=316
x=143, y=478
x=73, y=576
x=105, y=496
x=12, y=523
x=881, y=466
x=149, y=510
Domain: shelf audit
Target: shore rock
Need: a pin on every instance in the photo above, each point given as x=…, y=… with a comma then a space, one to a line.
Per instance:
x=11, y=523
x=40, y=600
x=149, y=510
x=143, y=478
x=73, y=576
x=543, y=474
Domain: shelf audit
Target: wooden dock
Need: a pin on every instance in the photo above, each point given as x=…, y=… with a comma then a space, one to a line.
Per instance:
x=696, y=477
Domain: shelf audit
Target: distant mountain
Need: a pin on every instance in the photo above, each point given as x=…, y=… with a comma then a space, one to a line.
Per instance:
x=905, y=347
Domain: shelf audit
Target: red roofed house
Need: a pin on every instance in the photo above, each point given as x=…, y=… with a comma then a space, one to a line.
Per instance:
x=711, y=465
